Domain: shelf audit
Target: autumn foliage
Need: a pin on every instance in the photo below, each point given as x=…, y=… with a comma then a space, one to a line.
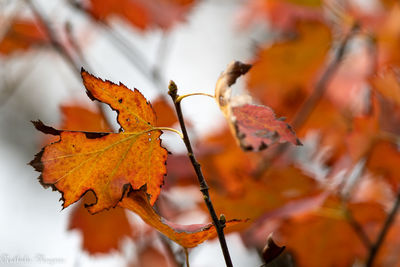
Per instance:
x=306, y=159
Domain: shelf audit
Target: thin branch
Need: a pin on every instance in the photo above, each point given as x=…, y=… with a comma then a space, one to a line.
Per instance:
x=53, y=38
x=218, y=223
x=381, y=237
x=322, y=84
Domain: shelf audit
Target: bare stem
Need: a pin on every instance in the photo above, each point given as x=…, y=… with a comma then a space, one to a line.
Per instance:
x=218, y=223
x=381, y=237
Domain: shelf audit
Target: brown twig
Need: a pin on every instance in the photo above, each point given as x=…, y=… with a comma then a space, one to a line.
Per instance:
x=381, y=237
x=218, y=223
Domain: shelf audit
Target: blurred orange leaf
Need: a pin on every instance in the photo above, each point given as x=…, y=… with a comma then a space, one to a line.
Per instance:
x=324, y=237
x=384, y=160
x=101, y=232
x=283, y=74
x=365, y=133
x=166, y=116
x=227, y=165
x=331, y=124
x=388, y=38
x=282, y=14
x=387, y=83
x=143, y=14
x=277, y=187
x=22, y=34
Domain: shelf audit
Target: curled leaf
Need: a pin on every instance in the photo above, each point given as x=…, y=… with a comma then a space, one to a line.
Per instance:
x=254, y=126
x=187, y=236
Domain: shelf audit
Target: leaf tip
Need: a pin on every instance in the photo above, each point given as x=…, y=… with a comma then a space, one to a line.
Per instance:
x=235, y=70
x=83, y=71
x=40, y=126
x=36, y=163
x=271, y=250
x=298, y=142
x=172, y=89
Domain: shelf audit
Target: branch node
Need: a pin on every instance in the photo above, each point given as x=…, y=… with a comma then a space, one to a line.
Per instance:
x=222, y=220
x=173, y=90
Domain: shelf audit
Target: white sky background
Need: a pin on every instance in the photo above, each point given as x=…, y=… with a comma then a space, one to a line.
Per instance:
x=199, y=50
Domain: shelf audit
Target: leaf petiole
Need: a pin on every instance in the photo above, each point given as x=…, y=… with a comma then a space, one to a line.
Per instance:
x=179, y=98
x=167, y=129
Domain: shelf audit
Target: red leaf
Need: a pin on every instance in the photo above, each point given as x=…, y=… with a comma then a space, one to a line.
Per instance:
x=257, y=127
x=254, y=126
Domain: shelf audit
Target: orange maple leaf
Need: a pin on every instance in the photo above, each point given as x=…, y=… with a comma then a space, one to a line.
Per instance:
x=106, y=163
x=125, y=168
x=104, y=231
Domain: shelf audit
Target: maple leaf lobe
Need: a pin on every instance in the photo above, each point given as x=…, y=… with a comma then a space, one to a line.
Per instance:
x=134, y=111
